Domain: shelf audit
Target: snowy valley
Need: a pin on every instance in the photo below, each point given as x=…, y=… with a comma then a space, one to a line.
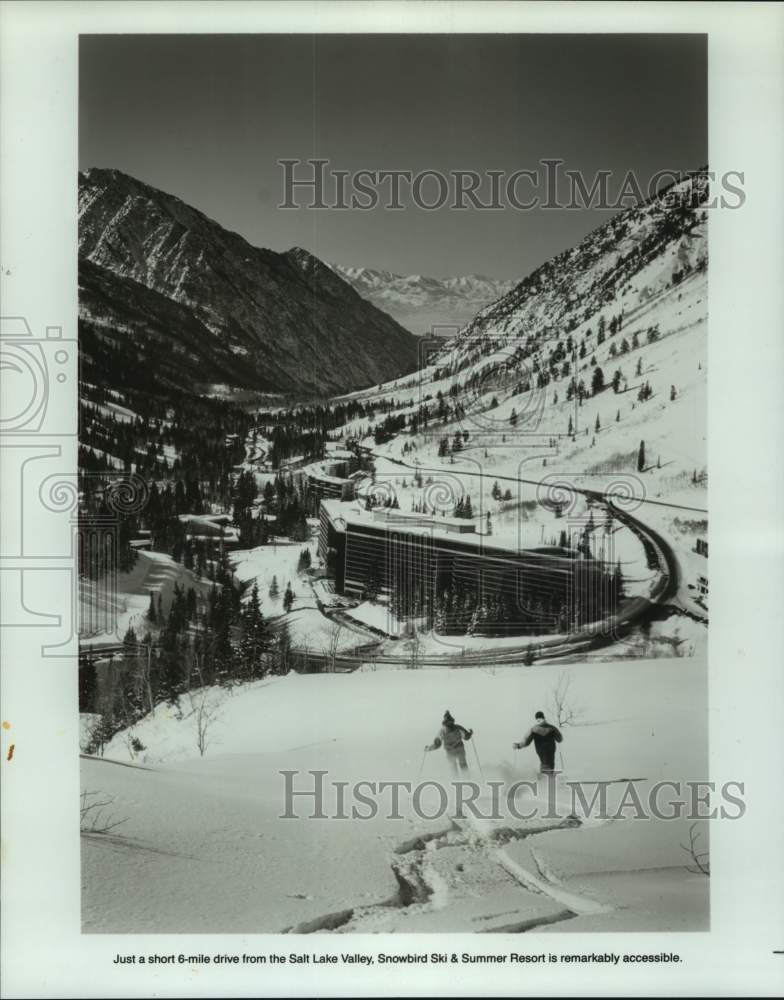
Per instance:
x=564, y=425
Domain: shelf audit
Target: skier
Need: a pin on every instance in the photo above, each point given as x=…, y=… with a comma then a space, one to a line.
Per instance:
x=451, y=735
x=544, y=736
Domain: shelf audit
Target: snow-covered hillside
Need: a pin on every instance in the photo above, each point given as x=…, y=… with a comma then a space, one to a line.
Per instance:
x=591, y=372
x=200, y=845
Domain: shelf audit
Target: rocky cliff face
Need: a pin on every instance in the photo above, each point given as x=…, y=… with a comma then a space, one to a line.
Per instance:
x=635, y=262
x=279, y=322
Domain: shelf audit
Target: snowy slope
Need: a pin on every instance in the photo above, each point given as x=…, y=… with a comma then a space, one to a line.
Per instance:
x=104, y=619
x=202, y=848
x=520, y=385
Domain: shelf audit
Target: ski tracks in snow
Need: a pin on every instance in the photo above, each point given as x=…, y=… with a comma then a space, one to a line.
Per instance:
x=462, y=878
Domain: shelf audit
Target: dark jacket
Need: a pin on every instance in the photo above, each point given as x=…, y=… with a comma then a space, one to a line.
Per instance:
x=544, y=737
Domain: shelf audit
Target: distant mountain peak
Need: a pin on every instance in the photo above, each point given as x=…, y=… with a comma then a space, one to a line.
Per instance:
x=421, y=302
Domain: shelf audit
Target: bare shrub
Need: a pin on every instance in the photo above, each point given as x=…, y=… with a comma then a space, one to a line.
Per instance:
x=93, y=815
x=564, y=711
x=414, y=651
x=331, y=651
x=700, y=860
x=206, y=710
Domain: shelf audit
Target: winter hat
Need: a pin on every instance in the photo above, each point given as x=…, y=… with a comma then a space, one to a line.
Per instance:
x=539, y=715
x=448, y=717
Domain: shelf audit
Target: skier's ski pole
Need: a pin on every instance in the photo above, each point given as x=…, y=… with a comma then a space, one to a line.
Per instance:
x=422, y=765
x=479, y=763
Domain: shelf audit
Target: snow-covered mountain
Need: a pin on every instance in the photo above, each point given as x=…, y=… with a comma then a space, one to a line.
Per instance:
x=593, y=368
x=634, y=263
x=419, y=302
x=282, y=322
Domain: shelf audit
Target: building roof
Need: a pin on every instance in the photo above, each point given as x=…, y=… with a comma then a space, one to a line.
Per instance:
x=316, y=471
x=349, y=514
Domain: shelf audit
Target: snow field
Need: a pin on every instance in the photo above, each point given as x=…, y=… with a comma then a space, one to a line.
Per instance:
x=203, y=848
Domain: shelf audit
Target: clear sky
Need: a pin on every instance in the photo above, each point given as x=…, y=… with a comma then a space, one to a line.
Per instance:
x=207, y=117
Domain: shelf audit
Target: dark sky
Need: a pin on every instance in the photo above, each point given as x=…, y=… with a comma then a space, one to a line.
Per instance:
x=207, y=117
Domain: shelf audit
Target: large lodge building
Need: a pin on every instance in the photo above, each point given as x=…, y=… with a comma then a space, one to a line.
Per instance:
x=331, y=478
x=400, y=555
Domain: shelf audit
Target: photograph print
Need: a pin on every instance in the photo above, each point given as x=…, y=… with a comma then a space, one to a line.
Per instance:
x=393, y=483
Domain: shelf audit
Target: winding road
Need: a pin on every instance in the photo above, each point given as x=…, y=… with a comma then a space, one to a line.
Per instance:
x=591, y=636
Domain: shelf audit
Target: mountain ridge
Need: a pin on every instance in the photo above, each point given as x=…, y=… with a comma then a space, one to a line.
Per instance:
x=298, y=325
x=420, y=302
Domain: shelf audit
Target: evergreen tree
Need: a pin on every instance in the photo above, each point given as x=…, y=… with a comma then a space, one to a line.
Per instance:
x=288, y=598
x=274, y=589
x=223, y=653
x=440, y=615
x=282, y=652
x=617, y=582
x=255, y=636
x=172, y=664
x=191, y=604
x=88, y=684
x=373, y=582
x=641, y=457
